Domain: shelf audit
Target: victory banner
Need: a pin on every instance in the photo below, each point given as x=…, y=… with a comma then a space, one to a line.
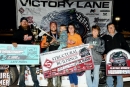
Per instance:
x=20, y=55
x=83, y=13
x=66, y=61
x=118, y=62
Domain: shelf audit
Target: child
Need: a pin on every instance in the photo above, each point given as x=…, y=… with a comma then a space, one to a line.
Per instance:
x=63, y=37
x=63, y=43
x=97, y=47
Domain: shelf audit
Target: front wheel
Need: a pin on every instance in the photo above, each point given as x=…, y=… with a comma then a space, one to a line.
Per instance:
x=13, y=74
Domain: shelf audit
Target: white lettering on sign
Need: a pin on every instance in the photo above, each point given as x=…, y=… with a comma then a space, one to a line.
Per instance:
x=11, y=51
x=119, y=67
x=4, y=79
x=118, y=71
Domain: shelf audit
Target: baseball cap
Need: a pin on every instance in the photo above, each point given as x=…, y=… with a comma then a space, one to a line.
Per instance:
x=23, y=18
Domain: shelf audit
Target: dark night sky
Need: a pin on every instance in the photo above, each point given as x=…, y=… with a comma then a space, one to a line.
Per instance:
x=121, y=9
x=8, y=19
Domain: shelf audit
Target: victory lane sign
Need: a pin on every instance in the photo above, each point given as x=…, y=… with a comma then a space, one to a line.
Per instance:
x=20, y=55
x=66, y=61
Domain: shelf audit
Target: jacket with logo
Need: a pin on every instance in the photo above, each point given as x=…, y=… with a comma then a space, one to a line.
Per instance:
x=22, y=36
x=97, y=50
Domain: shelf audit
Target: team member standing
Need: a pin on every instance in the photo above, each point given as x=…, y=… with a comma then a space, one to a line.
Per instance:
x=24, y=36
x=114, y=40
x=74, y=39
x=97, y=48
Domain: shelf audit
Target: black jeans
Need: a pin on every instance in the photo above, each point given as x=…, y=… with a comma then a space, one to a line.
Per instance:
x=22, y=76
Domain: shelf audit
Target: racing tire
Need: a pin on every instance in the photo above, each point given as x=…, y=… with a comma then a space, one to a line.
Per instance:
x=13, y=74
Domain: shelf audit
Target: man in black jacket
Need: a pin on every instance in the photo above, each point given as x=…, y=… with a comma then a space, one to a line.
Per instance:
x=24, y=36
x=114, y=40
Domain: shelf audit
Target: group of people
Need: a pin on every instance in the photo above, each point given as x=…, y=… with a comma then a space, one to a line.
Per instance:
x=66, y=38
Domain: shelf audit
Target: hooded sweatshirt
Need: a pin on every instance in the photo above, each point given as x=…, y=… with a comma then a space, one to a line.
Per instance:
x=97, y=50
x=22, y=36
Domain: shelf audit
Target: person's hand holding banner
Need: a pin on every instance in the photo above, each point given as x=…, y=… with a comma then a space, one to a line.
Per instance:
x=14, y=44
x=90, y=46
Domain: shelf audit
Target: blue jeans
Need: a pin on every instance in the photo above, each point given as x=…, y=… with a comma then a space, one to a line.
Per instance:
x=73, y=78
x=95, y=81
x=119, y=81
x=22, y=76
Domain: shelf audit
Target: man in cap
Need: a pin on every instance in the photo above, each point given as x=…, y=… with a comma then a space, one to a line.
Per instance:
x=24, y=36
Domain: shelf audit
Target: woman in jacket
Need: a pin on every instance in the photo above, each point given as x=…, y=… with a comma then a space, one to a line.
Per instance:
x=96, y=44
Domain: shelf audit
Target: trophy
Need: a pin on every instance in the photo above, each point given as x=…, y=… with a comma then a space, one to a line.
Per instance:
x=42, y=33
